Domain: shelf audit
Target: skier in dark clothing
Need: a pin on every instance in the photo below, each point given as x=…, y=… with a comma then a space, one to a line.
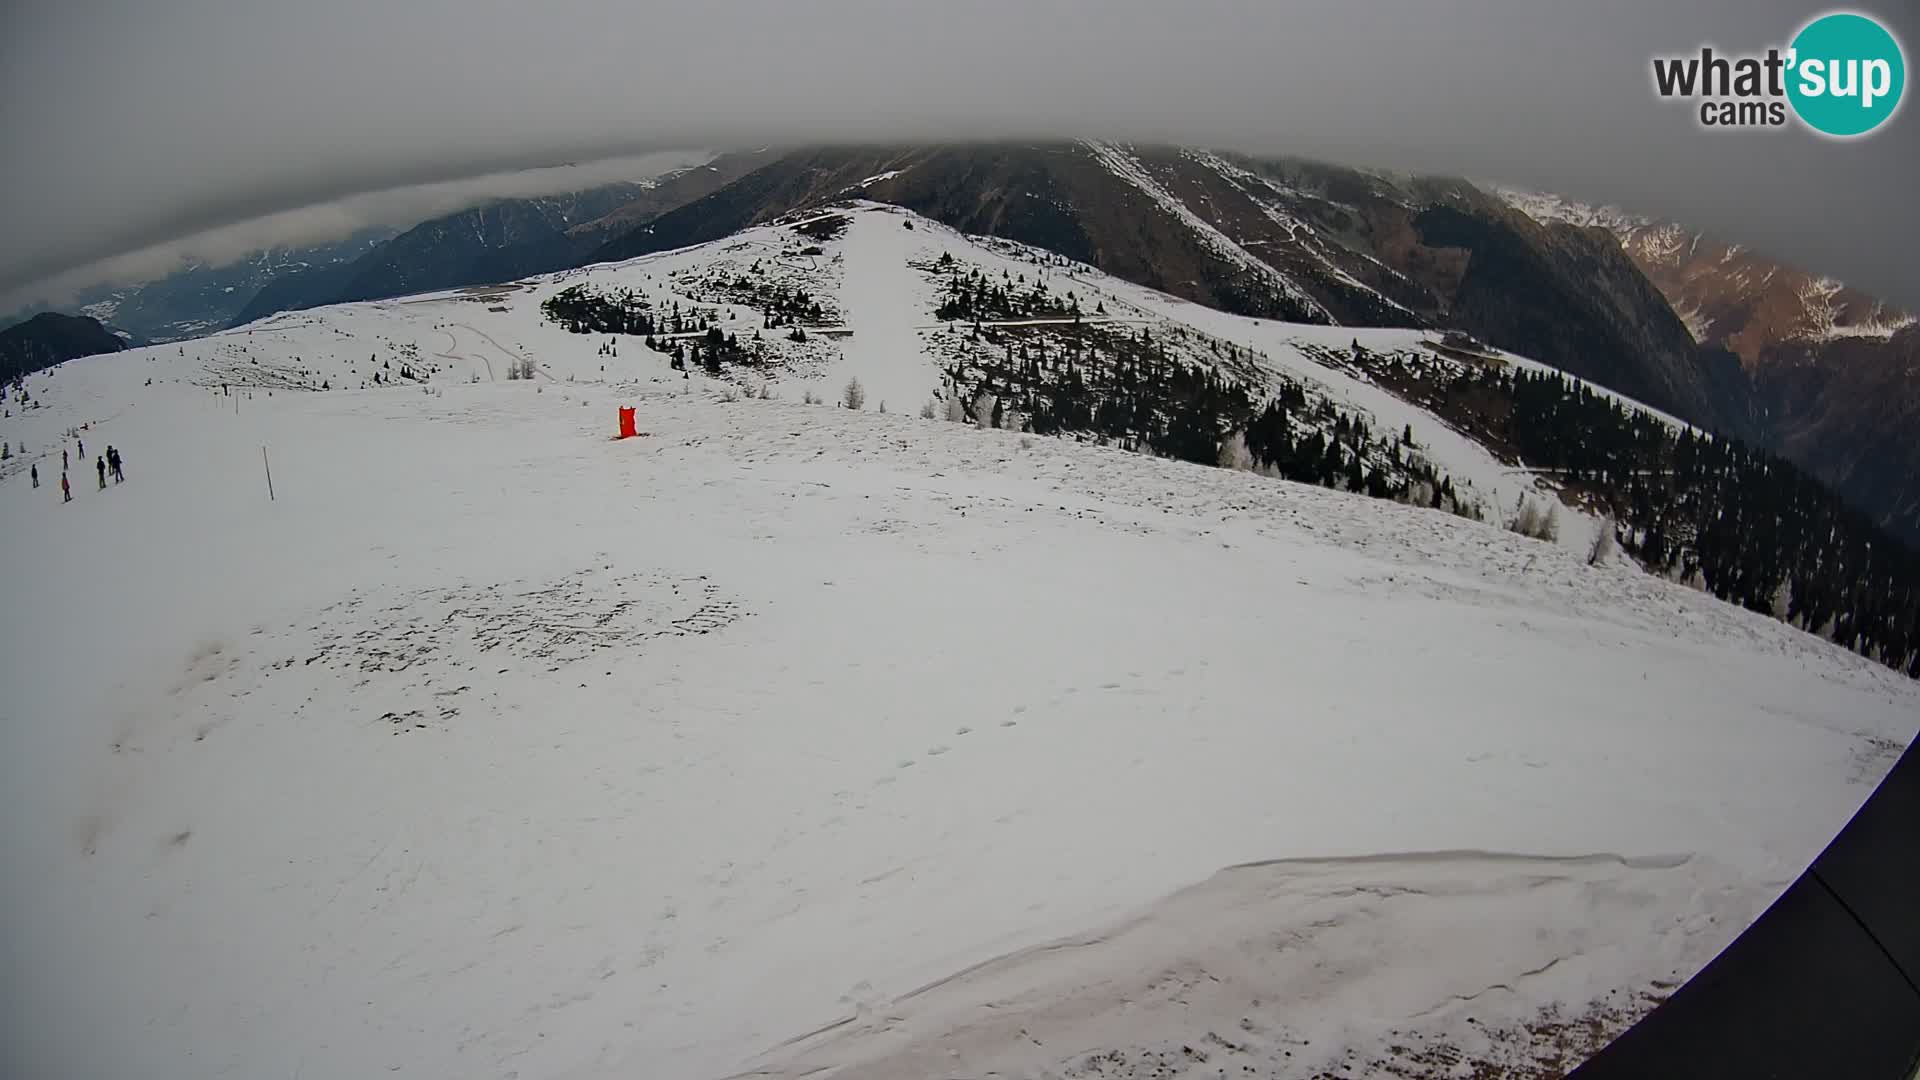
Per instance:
x=113, y=465
x=83, y=448
x=63, y=459
x=100, y=466
x=35, y=470
x=66, y=489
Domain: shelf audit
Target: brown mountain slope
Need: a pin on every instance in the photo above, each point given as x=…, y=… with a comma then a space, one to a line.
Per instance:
x=1834, y=373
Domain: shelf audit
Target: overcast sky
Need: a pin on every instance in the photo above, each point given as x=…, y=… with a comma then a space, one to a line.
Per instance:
x=134, y=123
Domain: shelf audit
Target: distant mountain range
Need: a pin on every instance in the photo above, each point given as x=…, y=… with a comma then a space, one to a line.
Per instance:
x=498, y=241
x=501, y=240
x=202, y=298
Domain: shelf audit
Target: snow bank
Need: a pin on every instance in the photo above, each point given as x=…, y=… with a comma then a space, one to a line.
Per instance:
x=1390, y=964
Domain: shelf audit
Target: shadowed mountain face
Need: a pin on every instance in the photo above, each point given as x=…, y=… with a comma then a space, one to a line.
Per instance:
x=1569, y=297
x=1834, y=373
x=51, y=338
x=1848, y=409
x=1271, y=239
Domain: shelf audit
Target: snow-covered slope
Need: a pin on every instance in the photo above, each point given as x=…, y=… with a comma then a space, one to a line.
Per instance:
x=880, y=281
x=490, y=746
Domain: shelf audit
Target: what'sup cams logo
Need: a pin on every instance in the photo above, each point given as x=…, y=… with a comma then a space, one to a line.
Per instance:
x=1843, y=75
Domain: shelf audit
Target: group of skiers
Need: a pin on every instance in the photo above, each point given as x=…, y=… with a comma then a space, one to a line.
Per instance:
x=104, y=465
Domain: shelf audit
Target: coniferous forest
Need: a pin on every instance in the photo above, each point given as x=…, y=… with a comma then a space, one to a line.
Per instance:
x=973, y=295
x=1126, y=388
x=582, y=310
x=1756, y=529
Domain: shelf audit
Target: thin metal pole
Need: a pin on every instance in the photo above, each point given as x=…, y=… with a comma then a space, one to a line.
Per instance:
x=269, y=467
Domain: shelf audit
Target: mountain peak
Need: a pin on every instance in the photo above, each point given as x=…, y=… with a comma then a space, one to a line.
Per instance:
x=51, y=338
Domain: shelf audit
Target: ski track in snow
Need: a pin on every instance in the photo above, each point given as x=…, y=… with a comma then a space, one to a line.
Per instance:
x=494, y=747
x=886, y=305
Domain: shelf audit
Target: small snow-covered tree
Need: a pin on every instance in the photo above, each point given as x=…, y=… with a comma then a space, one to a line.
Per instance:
x=926, y=411
x=983, y=406
x=1535, y=520
x=854, y=396
x=956, y=412
x=1604, y=544
x=1526, y=518
x=1782, y=600
x=1234, y=453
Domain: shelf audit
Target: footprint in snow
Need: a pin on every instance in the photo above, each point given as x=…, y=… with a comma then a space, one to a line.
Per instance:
x=963, y=731
x=937, y=751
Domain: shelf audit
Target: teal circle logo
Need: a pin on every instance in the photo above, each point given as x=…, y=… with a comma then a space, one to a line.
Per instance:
x=1847, y=75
